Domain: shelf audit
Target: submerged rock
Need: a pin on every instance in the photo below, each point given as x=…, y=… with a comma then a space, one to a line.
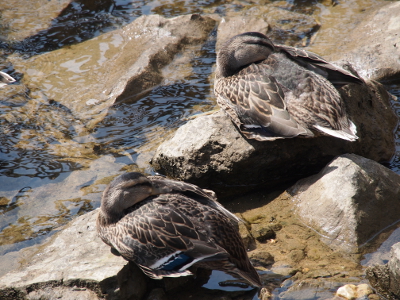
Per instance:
x=349, y=201
x=112, y=66
x=386, y=278
x=210, y=152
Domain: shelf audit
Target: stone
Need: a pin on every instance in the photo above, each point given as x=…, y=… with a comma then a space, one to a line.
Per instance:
x=278, y=22
x=46, y=10
x=350, y=201
x=74, y=259
x=373, y=46
x=364, y=290
x=218, y=157
x=122, y=63
x=347, y=291
x=262, y=233
x=386, y=278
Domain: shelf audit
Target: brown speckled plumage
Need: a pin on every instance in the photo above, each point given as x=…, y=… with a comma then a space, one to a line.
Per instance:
x=166, y=226
x=275, y=91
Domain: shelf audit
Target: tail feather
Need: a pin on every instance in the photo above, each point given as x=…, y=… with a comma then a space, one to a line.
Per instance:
x=349, y=134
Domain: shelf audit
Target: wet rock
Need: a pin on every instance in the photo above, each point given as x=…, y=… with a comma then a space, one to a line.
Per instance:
x=262, y=257
x=46, y=10
x=349, y=201
x=74, y=260
x=218, y=157
x=373, y=47
x=262, y=233
x=386, y=278
x=122, y=63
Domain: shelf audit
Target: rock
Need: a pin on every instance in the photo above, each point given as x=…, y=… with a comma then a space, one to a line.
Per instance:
x=157, y=294
x=121, y=63
x=386, y=278
x=347, y=291
x=373, y=47
x=262, y=233
x=364, y=290
x=218, y=157
x=46, y=10
x=262, y=257
x=349, y=201
x=73, y=260
x=274, y=20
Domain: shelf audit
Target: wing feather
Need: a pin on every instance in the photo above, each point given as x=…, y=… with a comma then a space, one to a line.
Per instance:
x=257, y=101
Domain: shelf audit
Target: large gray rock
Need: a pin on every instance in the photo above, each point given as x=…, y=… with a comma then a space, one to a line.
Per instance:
x=210, y=152
x=76, y=264
x=74, y=261
x=373, y=47
x=386, y=279
x=349, y=201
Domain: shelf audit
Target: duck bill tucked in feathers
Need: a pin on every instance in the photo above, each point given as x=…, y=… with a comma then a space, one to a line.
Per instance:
x=167, y=226
x=273, y=91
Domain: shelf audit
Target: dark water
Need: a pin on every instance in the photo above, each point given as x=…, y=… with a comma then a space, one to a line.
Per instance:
x=124, y=139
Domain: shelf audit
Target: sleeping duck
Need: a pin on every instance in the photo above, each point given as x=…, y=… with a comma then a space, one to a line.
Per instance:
x=274, y=91
x=167, y=226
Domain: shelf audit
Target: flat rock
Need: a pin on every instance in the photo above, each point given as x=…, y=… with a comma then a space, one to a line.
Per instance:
x=112, y=66
x=349, y=201
x=74, y=257
x=373, y=46
x=386, y=278
x=210, y=152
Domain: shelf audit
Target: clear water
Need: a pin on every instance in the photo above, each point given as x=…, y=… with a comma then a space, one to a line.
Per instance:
x=35, y=180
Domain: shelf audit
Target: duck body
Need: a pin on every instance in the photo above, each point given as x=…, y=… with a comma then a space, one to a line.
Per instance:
x=170, y=227
x=274, y=91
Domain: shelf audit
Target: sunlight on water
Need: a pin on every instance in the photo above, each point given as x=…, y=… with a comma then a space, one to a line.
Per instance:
x=52, y=167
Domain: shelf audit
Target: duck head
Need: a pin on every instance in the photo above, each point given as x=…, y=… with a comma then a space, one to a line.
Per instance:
x=125, y=191
x=242, y=50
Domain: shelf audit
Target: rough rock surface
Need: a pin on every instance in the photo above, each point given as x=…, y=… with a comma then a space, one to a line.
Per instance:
x=210, y=152
x=386, y=278
x=373, y=47
x=76, y=264
x=349, y=201
x=275, y=20
x=74, y=260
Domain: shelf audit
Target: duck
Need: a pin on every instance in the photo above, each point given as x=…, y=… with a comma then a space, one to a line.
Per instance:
x=275, y=91
x=166, y=226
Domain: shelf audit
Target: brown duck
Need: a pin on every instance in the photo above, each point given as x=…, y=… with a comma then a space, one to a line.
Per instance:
x=274, y=91
x=167, y=226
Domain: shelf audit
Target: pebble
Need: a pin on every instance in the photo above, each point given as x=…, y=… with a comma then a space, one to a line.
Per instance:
x=350, y=291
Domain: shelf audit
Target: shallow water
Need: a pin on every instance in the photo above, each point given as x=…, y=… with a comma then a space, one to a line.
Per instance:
x=43, y=187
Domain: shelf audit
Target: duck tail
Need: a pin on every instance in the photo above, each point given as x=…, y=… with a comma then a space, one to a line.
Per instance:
x=348, y=134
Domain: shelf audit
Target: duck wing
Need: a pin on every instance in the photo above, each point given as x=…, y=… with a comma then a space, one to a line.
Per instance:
x=163, y=236
x=256, y=103
x=203, y=196
x=338, y=76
